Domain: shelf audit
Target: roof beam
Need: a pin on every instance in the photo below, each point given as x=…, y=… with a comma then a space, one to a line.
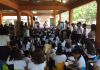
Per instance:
x=79, y=3
x=38, y=7
x=24, y=14
x=40, y=14
x=12, y=14
x=61, y=11
x=27, y=13
x=10, y=4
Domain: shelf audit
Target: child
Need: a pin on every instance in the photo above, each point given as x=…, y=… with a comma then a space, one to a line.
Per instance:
x=80, y=61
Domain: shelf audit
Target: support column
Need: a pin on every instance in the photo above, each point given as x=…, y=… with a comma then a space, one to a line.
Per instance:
x=18, y=16
x=17, y=25
x=54, y=17
x=59, y=17
x=61, y=1
x=70, y=16
x=54, y=21
x=28, y=21
x=0, y=18
x=98, y=25
x=32, y=21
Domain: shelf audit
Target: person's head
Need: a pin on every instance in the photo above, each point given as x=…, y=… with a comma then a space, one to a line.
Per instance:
x=76, y=52
x=16, y=54
x=73, y=24
x=68, y=34
x=88, y=42
x=26, y=40
x=66, y=21
x=74, y=37
x=79, y=24
x=4, y=30
x=62, y=39
x=59, y=22
x=53, y=45
x=38, y=56
x=93, y=27
x=45, y=21
x=84, y=25
x=26, y=24
x=67, y=45
x=83, y=39
x=21, y=23
x=59, y=49
x=26, y=53
x=90, y=47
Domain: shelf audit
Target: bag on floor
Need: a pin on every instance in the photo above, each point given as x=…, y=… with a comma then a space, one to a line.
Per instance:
x=3, y=66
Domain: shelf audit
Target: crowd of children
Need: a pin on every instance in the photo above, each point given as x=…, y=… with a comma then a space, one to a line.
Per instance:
x=43, y=49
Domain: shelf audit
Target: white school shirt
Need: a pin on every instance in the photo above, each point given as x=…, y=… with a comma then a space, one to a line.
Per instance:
x=87, y=32
x=63, y=45
x=91, y=35
x=27, y=33
x=81, y=62
x=79, y=30
x=59, y=58
x=98, y=63
x=33, y=66
x=28, y=45
x=18, y=64
x=4, y=39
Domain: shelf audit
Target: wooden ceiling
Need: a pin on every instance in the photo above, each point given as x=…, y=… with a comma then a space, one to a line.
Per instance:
x=41, y=6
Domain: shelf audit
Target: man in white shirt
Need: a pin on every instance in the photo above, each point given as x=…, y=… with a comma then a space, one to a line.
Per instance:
x=79, y=28
x=4, y=40
x=4, y=37
x=79, y=31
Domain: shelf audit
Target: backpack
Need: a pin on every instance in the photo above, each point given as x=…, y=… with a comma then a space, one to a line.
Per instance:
x=3, y=66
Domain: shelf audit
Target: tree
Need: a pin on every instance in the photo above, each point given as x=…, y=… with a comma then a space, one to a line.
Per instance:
x=86, y=12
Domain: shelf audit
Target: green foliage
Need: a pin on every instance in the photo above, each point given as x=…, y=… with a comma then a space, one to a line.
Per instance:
x=86, y=12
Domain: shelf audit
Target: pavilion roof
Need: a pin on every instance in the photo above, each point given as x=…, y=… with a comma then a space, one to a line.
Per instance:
x=41, y=7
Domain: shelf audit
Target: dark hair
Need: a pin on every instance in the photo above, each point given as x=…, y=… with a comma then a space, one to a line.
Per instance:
x=26, y=53
x=84, y=25
x=4, y=31
x=93, y=27
x=67, y=45
x=59, y=50
x=16, y=54
x=77, y=50
x=79, y=23
x=68, y=34
x=89, y=46
x=66, y=21
x=38, y=56
x=74, y=37
x=61, y=39
x=53, y=45
x=83, y=39
x=72, y=24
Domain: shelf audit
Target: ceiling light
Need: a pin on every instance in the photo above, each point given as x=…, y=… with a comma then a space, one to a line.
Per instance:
x=64, y=1
x=34, y=12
